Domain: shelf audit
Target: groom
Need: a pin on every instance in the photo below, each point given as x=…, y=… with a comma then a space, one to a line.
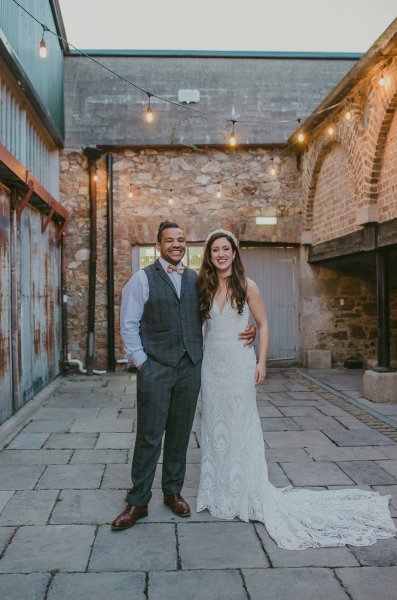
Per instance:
x=162, y=335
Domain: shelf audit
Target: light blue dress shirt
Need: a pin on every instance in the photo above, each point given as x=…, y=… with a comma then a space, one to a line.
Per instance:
x=135, y=295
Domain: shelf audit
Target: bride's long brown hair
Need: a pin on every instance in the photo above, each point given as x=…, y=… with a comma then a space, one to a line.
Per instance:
x=208, y=280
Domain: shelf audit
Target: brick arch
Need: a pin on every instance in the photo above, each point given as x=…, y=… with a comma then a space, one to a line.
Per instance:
x=322, y=152
x=379, y=151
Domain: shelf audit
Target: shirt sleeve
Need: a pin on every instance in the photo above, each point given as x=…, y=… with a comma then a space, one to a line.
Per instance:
x=135, y=295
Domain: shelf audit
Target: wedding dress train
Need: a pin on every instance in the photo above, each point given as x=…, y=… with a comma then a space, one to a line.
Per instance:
x=234, y=480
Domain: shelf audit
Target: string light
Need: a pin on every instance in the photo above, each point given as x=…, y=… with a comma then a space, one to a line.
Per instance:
x=149, y=111
x=95, y=178
x=330, y=131
x=348, y=113
x=170, y=199
x=130, y=193
x=43, y=53
x=232, y=136
x=300, y=135
x=219, y=190
x=273, y=169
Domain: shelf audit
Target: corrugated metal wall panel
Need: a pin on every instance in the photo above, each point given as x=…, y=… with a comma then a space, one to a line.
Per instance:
x=24, y=36
x=40, y=307
x=5, y=308
x=274, y=270
x=22, y=139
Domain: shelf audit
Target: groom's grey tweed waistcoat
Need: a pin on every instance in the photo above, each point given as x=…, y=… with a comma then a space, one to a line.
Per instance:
x=170, y=326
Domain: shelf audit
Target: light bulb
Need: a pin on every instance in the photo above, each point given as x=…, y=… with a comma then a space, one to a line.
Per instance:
x=219, y=193
x=330, y=131
x=95, y=178
x=170, y=201
x=301, y=137
x=149, y=115
x=43, y=53
x=232, y=139
x=272, y=171
x=382, y=81
x=130, y=194
x=348, y=115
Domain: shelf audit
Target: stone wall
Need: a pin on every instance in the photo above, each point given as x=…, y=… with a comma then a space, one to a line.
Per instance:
x=178, y=184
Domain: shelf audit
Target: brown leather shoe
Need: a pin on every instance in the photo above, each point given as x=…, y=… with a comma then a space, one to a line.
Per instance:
x=129, y=517
x=177, y=504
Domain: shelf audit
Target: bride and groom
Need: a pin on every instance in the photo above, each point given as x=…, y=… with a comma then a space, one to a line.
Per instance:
x=166, y=312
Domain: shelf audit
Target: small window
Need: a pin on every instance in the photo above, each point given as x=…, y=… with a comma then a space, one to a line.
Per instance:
x=142, y=256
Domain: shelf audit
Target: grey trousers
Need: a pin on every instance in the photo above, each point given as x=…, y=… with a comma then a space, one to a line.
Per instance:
x=166, y=403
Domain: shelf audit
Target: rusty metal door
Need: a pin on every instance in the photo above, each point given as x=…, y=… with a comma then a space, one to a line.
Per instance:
x=274, y=270
x=5, y=308
x=40, y=304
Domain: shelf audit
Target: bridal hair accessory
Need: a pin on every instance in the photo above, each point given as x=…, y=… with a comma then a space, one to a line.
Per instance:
x=179, y=269
x=224, y=232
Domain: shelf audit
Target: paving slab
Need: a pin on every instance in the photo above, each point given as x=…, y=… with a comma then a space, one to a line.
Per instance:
x=101, y=456
x=368, y=583
x=281, y=455
x=351, y=422
x=331, y=409
x=293, y=584
x=44, y=548
x=19, y=477
x=35, y=457
x=6, y=534
x=29, y=587
x=115, y=413
x=116, y=440
x=389, y=451
x=59, y=477
x=65, y=413
x=144, y=547
x=50, y=426
x=338, y=453
x=215, y=546
x=296, y=439
x=368, y=472
x=300, y=411
x=197, y=585
x=390, y=466
x=359, y=437
x=319, y=423
x=5, y=497
x=71, y=440
x=101, y=586
x=381, y=554
x=117, y=476
x=103, y=426
x=269, y=411
x=316, y=473
x=92, y=507
x=312, y=557
x=277, y=476
x=31, y=507
x=279, y=424
x=26, y=441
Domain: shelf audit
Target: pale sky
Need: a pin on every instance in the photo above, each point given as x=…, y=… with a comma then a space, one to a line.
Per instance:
x=257, y=25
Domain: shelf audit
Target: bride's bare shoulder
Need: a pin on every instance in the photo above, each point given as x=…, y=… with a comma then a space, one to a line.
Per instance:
x=251, y=285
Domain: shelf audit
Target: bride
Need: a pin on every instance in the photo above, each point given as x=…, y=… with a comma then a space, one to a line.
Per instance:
x=234, y=480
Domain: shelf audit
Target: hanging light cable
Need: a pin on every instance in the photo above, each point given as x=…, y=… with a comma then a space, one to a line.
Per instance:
x=149, y=111
x=43, y=53
x=232, y=136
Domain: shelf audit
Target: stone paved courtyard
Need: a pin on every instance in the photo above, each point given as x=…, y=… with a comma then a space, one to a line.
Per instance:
x=65, y=470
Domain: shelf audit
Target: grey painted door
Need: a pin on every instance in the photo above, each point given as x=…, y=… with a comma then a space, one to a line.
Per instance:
x=274, y=270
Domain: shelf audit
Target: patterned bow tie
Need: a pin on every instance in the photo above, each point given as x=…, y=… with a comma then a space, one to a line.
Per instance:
x=178, y=269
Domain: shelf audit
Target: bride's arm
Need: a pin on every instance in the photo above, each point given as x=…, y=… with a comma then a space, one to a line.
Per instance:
x=257, y=307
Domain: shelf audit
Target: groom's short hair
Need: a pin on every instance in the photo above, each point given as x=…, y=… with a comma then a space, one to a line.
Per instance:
x=165, y=225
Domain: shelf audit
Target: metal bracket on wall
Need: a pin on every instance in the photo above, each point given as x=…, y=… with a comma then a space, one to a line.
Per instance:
x=62, y=229
x=24, y=202
x=44, y=225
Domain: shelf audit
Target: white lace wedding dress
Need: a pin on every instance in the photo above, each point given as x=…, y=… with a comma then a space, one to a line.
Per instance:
x=234, y=480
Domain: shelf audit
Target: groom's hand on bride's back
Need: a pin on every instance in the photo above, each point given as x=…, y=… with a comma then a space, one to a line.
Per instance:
x=249, y=335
